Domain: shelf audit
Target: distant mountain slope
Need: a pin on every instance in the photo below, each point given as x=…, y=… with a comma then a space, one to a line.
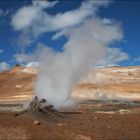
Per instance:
x=17, y=83
x=103, y=83
x=111, y=83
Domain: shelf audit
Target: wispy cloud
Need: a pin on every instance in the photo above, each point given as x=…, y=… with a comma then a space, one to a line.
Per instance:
x=137, y=59
x=4, y=66
x=32, y=20
x=5, y=12
x=1, y=12
x=32, y=57
x=29, y=16
x=1, y=51
x=113, y=57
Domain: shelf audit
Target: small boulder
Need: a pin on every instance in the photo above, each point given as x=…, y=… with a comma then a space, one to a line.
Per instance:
x=36, y=122
x=16, y=114
x=96, y=117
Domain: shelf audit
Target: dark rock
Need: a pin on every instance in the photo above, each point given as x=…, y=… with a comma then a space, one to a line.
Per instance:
x=37, y=105
x=43, y=100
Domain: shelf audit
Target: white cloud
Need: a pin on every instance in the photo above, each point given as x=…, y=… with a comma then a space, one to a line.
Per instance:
x=137, y=59
x=35, y=20
x=4, y=66
x=32, y=20
x=25, y=58
x=29, y=15
x=1, y=12
x=23, y=40
x=32, y=64
x=1, y=51
x=5, y=12
x=22, y=20
x=32, y=57
x=107, y=21
x=70, y=30
x=44, y=4
x=113, y=57
x=39, y=21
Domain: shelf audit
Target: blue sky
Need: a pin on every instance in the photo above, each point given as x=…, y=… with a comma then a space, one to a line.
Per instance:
x=126, y=13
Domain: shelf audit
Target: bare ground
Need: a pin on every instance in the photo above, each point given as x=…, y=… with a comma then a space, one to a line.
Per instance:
x=78, y=124
x=71, y=126
x=90, y=121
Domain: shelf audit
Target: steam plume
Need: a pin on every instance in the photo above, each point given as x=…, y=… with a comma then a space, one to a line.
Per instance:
x=60, y=71
x=88, y=37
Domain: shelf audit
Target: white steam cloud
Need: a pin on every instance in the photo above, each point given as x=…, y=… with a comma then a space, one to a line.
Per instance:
x=60, y=71
x=88, y=38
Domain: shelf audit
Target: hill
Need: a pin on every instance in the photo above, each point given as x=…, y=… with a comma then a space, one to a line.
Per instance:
x=103, y=83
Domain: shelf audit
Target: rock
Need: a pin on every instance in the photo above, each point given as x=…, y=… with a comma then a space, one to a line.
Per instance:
x=124, y=111
x=34, y=105
x=96, y=117
x=82, y=137
x=60, y=124
x=43, y=100
x=15, y=114
x=36, y=122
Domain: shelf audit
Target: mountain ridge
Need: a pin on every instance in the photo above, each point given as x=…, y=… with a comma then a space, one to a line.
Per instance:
x=121, y=83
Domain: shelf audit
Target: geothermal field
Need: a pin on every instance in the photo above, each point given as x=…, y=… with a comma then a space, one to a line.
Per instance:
x=107, y=106
x=69, y=70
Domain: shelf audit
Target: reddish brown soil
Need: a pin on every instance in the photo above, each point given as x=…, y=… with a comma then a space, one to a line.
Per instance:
x=71, y=126
x=14, y=85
